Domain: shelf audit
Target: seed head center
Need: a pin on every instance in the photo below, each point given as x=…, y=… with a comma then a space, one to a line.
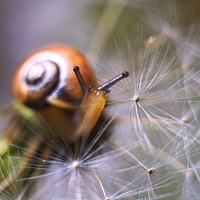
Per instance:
x=75, y=164
x=135, y=98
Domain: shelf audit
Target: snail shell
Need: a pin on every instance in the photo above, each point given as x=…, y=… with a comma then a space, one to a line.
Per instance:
x=46, y=76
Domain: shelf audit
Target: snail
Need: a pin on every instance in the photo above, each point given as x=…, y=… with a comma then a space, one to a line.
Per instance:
x=61, y=76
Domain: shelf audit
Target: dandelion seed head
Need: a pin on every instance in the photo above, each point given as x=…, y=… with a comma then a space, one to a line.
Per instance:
x=75, y=164
x=151, y=40
x=150, y=171
x=184, y=120
x=169, y=31
x=136, y=98
x=185, y=67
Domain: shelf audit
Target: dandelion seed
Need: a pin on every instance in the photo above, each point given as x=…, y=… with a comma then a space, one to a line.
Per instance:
x=135, y=98
x=150, y=171
x=184, y=120
x=75, y=164
x=145, y=145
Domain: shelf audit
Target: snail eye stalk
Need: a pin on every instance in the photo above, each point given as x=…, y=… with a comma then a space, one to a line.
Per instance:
x=112, y=82
x=103, y=87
